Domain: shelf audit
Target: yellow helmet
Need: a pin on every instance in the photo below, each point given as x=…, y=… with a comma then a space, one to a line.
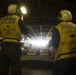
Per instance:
x=12, y=9
x=65, y=15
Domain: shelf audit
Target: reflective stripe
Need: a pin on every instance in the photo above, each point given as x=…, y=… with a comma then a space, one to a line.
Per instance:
x=66, y=55
x=11, y=39
x=9, y=18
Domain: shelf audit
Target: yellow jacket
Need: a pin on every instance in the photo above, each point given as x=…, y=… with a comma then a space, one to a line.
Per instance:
x=67, y=45
x=10, y=31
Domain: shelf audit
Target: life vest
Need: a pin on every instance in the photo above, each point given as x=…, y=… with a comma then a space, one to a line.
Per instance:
x=10, y=30
x=67, y=45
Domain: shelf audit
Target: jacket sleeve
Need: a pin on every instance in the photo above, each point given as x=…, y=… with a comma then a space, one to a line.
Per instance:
x=55, y=38
x=23, y=27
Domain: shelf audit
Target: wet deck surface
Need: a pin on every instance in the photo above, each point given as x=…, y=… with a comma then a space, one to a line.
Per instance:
x=35, y=71
x=36, y=68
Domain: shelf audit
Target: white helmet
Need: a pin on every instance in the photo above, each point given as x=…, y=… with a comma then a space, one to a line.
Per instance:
x=12, y=9
x=65, y=15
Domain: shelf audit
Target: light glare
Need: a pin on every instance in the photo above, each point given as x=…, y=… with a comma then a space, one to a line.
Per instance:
x=23, y=10
x=39, y=42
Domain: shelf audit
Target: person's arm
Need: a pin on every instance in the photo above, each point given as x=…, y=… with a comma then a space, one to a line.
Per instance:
x=55, y=38
x=54, y=42
x=23, y=27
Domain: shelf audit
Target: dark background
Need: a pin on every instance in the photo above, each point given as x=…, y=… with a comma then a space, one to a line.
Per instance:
x=41, y=12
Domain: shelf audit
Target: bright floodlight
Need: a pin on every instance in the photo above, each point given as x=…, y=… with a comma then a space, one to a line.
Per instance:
x=39, y=42
x=23, y=10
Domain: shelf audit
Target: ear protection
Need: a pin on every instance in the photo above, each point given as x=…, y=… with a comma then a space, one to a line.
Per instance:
x=59, y=16
x=18, y=12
